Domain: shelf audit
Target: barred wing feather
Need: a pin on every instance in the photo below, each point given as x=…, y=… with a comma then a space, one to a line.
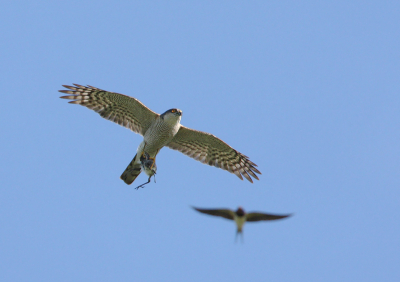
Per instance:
x=124, y=110
x=211, y=150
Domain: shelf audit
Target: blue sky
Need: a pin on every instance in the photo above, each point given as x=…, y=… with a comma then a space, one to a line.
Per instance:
x=308, y=90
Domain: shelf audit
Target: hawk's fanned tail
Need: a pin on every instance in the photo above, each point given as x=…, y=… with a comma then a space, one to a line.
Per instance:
x=131, y=172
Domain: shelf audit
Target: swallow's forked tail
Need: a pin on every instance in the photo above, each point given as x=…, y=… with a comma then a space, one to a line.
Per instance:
x=239, y=233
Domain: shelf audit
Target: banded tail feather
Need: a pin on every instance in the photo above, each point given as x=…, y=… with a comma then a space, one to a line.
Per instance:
x=131, y=172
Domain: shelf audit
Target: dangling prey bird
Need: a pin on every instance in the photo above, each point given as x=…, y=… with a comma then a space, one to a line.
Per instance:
x=159, y=131
x=148, y=166
x=240, y=216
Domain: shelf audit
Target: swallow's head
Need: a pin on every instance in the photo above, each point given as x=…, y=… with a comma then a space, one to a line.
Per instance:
x=240, y=212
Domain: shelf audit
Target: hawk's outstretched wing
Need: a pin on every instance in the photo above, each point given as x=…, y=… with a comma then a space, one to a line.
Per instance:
x=211, y=150
x=258, y=216
x=124, y=110
x=225, y=213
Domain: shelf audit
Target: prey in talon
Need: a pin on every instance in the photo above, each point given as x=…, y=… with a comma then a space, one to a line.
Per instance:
x=149, y=166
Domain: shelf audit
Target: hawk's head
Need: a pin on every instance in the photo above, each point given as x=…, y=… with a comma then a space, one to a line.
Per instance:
x=172, y=115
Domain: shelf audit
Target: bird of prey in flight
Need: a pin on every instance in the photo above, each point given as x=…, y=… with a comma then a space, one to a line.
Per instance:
x=240, y=216
x=159, y=131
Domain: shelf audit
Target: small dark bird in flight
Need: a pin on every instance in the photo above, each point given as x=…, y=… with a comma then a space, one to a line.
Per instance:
x=240, y=216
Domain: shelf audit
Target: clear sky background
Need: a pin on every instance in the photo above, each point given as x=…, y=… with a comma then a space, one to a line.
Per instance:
x=309, y=90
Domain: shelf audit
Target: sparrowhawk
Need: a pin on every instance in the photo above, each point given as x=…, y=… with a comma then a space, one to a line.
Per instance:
x=159, y=131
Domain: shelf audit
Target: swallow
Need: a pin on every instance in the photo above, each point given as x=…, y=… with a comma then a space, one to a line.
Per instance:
x=148, y=165
x=240, y=217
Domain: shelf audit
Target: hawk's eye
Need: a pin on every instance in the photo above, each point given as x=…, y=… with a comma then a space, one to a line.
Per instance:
x=173, y=111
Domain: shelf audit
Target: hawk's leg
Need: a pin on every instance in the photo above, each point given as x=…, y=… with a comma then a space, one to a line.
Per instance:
x=153, y=164
x=144, y=155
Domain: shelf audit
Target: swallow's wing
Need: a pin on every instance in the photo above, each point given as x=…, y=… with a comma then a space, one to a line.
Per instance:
x=225, y=213
x=258, y=216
